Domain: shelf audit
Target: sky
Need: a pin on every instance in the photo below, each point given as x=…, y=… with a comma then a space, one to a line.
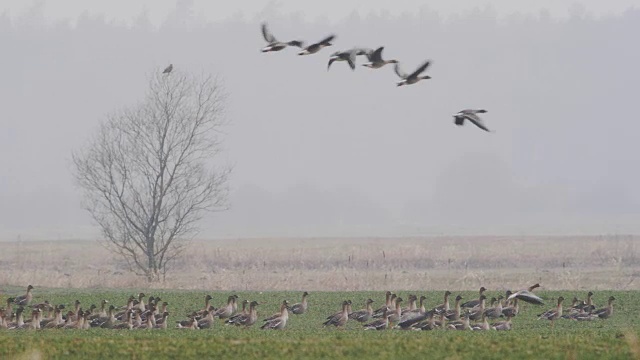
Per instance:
x=341, y=152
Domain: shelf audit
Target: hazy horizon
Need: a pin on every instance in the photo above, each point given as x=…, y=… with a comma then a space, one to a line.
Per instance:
x=343, y=153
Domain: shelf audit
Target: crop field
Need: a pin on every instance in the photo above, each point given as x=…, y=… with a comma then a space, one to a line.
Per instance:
x=305, y=336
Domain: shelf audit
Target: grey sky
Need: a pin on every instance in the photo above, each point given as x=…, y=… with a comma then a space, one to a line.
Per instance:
x=342, y=152
x=126, y=10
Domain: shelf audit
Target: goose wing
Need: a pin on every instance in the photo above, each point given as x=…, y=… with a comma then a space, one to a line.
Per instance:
x=399, y=71
x=376, y=56
x=268, y=36
x=422, y=68
x=478, y=122
x=327, y=41
x=525, y=295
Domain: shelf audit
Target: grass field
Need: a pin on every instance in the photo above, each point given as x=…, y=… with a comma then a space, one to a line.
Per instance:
x=305, y=336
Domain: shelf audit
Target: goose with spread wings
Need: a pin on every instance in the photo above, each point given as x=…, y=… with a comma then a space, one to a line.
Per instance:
x=314, y=48
x=414, y=77
x=376, y=61
x=349, y=56
x=274, y=44
x=471, y=115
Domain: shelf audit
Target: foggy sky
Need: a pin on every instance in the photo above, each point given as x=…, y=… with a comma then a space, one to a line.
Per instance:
x=340, y=152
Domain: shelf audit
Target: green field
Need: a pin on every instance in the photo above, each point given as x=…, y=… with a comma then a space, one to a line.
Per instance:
x=305, y=336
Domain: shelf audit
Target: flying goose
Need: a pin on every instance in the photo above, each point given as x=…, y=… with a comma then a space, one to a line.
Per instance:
x=527, y=295
x=376, y=61
x=168, y=69
x=414, y=77
x=273, y=43
x=349, y=56
x=471, y=115
x=314, y=48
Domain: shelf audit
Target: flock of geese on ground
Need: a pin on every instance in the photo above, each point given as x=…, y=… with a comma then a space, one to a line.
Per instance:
x=375, y=61
x=153, y=313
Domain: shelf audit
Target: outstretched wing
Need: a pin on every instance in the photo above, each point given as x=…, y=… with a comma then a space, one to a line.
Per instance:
x=376, y=56
x=296, y=43
x=268, y=37
x=419, y=70
x=399, y=72
x=331, y=60
x=478, y=122
x=327, y=41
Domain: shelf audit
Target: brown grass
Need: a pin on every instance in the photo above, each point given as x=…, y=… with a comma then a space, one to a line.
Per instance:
x=455, y=263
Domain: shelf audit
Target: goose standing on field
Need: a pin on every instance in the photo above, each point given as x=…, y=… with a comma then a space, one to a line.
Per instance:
x=553, y=314
x=314, y=48
x=376, y=61
x=301, y=307
x=273, y=43
x=386, y=307
x=471, y=115
x=475, y=302
x=339, y=321
x=278, y=322
x=607, y=311
x=168, y=69
x=24, y=300
x=349, y=56
x=380, y=324
x=247, y=319
x=414, y=77
x=363, y=315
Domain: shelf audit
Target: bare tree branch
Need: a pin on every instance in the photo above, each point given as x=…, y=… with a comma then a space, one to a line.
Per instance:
x=146, y=175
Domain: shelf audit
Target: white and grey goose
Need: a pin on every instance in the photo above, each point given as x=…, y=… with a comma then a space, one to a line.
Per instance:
x=349, y=56
x=273, y=43
x=414, y=77
x=314, y=48
x=471, y=115
x=376, y=61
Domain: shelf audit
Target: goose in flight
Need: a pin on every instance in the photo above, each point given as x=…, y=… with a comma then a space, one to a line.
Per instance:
x=349, y=56
x=376, y=61
x=471, y=115
x=414, y=77
x=273, y=43
x=314, y=48
x=168, y=69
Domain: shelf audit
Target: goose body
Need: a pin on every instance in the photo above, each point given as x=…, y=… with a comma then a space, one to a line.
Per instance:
x=376, y=61
x=168, y=69
x=414, y=77
x=273, y=44
x=314, y=48
x=470, y=115
x=349, y=56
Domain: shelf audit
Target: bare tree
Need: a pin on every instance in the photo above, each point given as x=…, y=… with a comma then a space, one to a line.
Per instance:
x=147, y=175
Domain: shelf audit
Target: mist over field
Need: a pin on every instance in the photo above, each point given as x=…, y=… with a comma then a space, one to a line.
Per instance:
x=344, y=153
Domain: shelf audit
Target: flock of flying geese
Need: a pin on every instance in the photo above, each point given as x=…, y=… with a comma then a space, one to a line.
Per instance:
x=153, y=313
x=375, y=61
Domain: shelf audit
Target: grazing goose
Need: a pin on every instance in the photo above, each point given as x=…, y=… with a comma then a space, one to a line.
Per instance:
x=471, y=115
x=553, y=314
x=168, y=69
x=349, y=56
x=363, y=315
x=301, y=307
x=502, y=325
x=339, y=321
x=527, y=295
x=494, y=312
x=273, y=43
x=475, y=302
x=414, y=77
x=24, y=300
x=381, y=324
x=375, y=59
x=279, y=322
x=247, y=319
x=314, y=48
x=513, y=310
x=606, y=311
